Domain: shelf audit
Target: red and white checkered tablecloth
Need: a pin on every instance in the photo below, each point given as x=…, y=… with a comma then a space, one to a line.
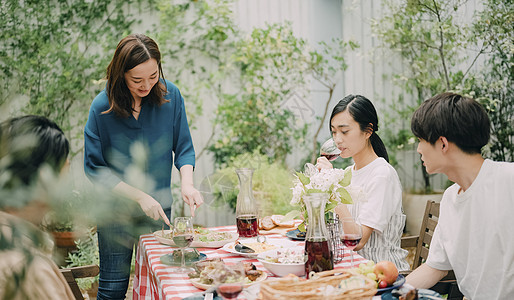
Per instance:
x=153, y=279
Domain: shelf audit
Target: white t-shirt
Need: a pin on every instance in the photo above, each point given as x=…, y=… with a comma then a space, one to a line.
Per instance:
x=474, y=236
x=380, y=209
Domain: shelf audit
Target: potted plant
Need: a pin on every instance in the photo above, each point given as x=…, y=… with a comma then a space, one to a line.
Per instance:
x=86, y=253
x=64, y=225
x=60, y=225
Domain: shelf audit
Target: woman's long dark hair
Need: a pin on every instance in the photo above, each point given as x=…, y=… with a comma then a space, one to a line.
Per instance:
x=364, y=113
x=132, y=50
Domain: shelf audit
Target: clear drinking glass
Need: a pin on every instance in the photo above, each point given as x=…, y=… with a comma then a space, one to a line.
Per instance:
x=229, y=282
x=183, y=235
x=351, y=234
x=329, y=150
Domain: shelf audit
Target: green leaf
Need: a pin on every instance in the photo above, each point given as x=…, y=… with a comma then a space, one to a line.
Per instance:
x=347, y=178
x=301, y=227
x=345, y=196
x=303, y=179
x=291, y=215
x=331, y=205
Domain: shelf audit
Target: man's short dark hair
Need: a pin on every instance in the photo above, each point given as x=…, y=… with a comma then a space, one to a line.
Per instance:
x=460, y=120
x=29, y=142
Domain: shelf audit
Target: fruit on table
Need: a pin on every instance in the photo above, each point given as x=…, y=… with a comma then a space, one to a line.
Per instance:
x=386, y=271
x=382, y=284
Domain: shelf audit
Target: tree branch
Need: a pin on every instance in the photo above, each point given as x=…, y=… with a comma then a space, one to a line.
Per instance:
x=441, y=47
x=315, y=138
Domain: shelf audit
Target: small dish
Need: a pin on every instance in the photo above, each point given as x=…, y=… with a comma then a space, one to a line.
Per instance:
x=400, y=280
x=293, y=234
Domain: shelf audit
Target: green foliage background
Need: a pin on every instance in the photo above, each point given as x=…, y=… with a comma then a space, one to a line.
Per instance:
x=440, y=53
x=53, y=57
x=54, y=54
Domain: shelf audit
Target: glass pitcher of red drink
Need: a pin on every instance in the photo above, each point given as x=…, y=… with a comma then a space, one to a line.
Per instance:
x=246, y=207
x=317, y=243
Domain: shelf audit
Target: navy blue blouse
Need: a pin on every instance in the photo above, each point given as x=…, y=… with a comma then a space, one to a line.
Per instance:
x=163, y=131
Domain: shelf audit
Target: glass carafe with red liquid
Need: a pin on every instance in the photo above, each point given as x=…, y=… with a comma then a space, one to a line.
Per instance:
x=317, y=243
x=246, y=207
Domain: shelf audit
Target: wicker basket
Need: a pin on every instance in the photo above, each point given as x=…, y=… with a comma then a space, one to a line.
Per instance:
x=288, y=288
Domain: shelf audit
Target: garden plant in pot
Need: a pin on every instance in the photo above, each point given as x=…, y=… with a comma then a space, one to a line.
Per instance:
x=86, y=253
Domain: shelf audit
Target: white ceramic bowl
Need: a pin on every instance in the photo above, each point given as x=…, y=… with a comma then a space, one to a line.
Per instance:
x=280, y=269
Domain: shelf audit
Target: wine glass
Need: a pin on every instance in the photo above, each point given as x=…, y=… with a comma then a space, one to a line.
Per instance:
x=183, y=234
x=351, y=234
x=229, y=282
x=329, y=150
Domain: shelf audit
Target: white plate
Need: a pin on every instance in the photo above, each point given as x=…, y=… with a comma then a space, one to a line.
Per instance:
x=279, y=243
x=196, y=243
x=203, y=286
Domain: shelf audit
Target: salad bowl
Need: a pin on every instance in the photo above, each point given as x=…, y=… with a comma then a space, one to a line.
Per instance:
x=282, y=262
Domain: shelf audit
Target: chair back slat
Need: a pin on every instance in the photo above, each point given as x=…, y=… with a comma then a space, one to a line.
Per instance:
x=431, y=224
x=70, y=274
x=70, y=279
x=427, y=230
x=423, y=254
x=427, y=239
x=430, y=219
x=434, y=209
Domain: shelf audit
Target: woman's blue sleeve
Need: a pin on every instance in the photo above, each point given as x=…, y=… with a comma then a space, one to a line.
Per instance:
x=182, y=141
x=95, y=166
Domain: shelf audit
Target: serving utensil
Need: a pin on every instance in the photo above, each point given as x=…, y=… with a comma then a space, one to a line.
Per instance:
x=242, y=248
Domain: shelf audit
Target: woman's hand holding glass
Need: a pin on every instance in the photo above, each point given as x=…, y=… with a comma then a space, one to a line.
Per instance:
x=328, y=152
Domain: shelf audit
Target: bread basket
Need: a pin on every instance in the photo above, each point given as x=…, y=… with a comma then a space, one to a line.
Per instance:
x=323, y=285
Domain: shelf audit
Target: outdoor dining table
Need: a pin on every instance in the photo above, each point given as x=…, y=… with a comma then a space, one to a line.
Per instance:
x=153, y=279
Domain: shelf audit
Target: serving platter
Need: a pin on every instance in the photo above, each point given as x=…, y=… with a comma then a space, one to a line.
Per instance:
x=196, y=282
x=275, y=243
x=164, y=237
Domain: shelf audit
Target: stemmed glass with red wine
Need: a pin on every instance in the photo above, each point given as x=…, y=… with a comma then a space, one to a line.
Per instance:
x=351, y=234
x=329, y=150
x=229, y=282
x=183, y=235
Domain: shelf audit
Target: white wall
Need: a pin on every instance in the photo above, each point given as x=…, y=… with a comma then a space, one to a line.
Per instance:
x=315, y=21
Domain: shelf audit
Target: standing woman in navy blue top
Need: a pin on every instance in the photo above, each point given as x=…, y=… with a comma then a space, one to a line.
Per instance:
x=137, y=105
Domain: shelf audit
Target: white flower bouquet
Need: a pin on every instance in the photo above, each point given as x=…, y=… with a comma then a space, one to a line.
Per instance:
x=331, y=181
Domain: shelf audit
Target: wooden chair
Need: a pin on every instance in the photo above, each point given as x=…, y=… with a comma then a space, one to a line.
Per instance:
x=447, y=285
x=70, y=274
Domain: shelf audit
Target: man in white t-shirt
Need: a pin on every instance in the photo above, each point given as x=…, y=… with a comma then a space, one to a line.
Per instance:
x=473, y=236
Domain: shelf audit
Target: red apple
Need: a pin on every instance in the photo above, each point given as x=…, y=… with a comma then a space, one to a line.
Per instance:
x=382, y=284
x=386, y=271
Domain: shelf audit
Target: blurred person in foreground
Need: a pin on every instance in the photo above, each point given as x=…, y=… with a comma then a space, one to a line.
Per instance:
x=473, y=236
x=29, y=146
x=137, y=107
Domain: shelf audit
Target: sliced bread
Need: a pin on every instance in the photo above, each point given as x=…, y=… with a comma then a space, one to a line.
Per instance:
x=277, y=220
x=266, y=223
